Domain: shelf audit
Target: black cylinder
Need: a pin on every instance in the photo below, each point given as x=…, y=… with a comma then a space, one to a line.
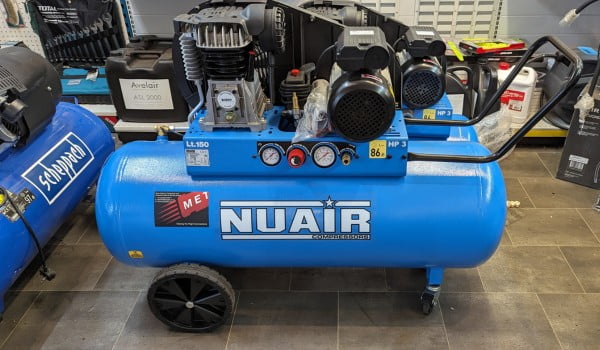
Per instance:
x=424, y=83
x=361, y=105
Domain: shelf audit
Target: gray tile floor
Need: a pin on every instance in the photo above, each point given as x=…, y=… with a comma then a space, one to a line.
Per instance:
x=541, y=290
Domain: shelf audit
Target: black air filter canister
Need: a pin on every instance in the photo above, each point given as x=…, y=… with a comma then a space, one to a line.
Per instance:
x=423, y=84
x=361, y=106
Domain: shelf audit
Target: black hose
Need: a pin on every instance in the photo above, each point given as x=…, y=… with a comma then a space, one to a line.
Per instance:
x=584, y=5
x=44, y=270
x=392, y=66
x=594, y=80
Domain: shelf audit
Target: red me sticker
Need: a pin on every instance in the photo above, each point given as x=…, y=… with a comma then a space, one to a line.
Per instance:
x=181, y=209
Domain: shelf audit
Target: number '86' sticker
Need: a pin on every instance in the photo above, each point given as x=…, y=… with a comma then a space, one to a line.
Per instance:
x=377, y=149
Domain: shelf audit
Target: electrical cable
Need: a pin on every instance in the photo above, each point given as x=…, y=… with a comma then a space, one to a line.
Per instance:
x=44, y=270
x=320, y=62
x=393, y=66
x=397, y=42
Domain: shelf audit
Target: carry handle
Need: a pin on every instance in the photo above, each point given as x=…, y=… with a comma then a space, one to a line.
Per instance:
x=576, y=68
x=465, y=69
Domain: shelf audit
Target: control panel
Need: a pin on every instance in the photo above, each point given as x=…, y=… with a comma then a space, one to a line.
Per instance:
x=322, y=154
x=227, y=152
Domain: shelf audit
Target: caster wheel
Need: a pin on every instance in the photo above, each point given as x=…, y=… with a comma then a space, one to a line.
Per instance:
x=427, y=303
x=191, y=298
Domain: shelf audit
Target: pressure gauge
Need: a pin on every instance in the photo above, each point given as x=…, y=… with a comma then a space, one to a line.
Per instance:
x=324, y=156
x=270, y=155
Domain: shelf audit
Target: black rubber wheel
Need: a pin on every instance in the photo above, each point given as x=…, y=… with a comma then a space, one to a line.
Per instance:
x=427, y=303
x=191, y=298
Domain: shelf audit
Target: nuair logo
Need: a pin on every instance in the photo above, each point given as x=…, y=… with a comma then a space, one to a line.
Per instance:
x=278, y=220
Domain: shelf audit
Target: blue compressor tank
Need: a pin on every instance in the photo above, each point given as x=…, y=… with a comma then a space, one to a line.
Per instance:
x=150, y=212
x=47, y=178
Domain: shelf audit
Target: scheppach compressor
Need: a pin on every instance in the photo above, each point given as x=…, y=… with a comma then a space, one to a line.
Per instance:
x=50, y=154
x=367, y=182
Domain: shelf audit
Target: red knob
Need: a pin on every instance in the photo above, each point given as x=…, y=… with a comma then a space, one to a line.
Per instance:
x=295, y=72
x=504, y=65
x=296, y=158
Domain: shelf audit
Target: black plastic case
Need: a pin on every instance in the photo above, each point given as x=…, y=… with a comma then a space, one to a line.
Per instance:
x=142, y=82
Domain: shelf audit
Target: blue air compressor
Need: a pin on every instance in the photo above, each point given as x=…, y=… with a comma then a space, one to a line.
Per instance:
x=50, y=155
x=304, y=152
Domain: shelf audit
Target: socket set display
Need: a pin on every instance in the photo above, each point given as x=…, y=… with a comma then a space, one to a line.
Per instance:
x=92, y=44
x=77, y=34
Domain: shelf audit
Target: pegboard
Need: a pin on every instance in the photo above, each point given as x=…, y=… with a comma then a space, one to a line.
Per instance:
x=25, y=34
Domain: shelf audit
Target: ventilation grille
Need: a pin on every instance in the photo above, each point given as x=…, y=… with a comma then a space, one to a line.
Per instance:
x=12, y=127
x=422, y=89
x=9, y=81
x=361, y=116
x=460, y=18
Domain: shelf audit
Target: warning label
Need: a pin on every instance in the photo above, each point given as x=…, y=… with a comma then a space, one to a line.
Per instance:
x=197, y=157
x=181, y=209
x=22, y=200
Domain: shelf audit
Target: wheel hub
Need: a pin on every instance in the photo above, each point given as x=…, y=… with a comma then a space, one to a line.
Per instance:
x=189, y=305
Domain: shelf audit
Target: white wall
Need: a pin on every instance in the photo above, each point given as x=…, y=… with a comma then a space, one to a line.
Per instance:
x=530, y=19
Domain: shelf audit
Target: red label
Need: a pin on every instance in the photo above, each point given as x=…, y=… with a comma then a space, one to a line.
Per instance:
x=192, y=202
x=516, y=99
x=110, y=119
x=181, y=208
x=372, y=77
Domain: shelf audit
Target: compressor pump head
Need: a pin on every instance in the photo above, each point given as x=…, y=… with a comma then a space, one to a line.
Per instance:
x=225, y=51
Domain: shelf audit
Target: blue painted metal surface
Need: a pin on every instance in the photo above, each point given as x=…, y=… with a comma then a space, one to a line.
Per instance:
x=442, y=110
x=462, y=133
x=234, y=152
x=53, y=172
x=286, y=220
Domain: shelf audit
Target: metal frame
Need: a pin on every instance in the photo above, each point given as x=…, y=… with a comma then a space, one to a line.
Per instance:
x=576, y=68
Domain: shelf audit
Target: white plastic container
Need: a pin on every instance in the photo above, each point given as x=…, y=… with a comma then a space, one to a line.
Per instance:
x=520, y=92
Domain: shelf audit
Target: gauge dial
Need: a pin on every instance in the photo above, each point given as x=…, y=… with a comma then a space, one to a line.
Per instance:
x=270, y=155
x=324, y=156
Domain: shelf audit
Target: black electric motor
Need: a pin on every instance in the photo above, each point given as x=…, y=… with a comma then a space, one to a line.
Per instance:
x=361, y=103
x=424, y=83
x=361, y=106
x=423, y=76
x=29, y=91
